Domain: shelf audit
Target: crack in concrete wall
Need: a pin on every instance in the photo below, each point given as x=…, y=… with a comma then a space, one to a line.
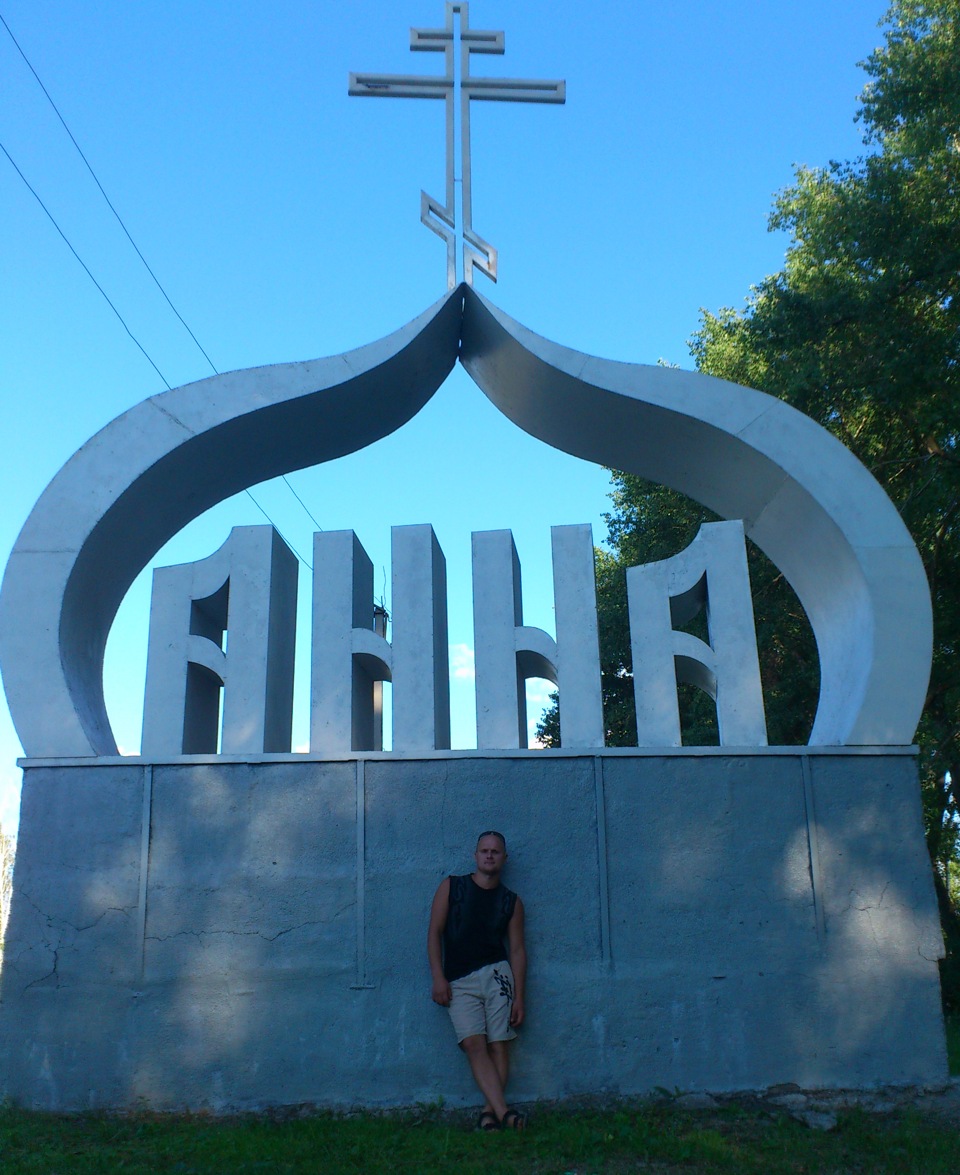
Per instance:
x=705, y=968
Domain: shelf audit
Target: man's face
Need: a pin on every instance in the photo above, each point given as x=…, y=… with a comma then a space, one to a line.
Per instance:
x=490, y=855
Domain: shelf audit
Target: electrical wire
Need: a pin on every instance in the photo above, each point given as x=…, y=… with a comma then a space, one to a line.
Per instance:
x=309, y=566
x=86, y=268
x=149, y=270
x=306, y=508
x=93, y=174
x=140, y=346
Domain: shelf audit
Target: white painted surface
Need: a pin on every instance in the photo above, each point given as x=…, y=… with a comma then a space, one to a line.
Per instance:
x=710, y=574
x=155, y=468
x=248, y=590
x=804, y=499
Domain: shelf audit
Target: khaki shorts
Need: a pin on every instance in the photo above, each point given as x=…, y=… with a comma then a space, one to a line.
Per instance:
x=481, y=1002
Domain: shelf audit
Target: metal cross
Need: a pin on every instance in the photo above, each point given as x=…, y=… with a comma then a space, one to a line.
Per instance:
x=442, y=218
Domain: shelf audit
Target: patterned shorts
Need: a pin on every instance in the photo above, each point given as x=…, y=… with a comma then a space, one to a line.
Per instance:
x=480, y=1003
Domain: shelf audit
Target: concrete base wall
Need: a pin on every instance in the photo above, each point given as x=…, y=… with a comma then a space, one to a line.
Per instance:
x=236, y=935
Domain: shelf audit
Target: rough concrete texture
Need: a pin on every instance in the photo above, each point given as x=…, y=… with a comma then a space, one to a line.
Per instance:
x=507, y=652
x=248, y=588
x=704, y=922
x=349, y=657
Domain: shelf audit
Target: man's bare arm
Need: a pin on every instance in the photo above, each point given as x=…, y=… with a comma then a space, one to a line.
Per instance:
x=518, y=964
x=438, y=923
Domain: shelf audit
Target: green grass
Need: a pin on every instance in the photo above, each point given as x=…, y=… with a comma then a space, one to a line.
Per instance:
x=644, y=1137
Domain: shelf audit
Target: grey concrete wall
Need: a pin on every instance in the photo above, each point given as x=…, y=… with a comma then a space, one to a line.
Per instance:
x=234, y=935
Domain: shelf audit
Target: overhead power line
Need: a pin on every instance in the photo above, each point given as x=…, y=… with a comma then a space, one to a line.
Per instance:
x=143, y=350
x=309, y=566
x=123, y=323
x=110, y=205
x=146, y=265
x=86, y=268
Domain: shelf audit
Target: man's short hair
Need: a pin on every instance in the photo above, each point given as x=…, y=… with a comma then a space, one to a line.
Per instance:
x=493, y=832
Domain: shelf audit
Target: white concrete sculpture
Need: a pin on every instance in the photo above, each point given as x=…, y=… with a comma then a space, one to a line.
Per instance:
x=349, y=657
x=711, y=575
x=805, y=501
x=147, y=474
x=507, y=652
x=247, y=590
x=170, y=906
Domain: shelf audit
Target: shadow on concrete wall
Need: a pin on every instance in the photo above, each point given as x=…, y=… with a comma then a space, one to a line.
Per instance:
x=713, y=921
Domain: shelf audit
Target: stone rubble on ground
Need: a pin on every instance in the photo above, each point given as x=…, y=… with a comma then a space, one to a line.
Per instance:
x=819, y=1109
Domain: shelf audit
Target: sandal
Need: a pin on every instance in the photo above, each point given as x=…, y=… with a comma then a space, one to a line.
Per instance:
x=513, y=1120
x=487, y=1121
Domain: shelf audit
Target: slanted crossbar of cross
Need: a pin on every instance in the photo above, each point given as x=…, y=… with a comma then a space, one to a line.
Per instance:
x=442, y=218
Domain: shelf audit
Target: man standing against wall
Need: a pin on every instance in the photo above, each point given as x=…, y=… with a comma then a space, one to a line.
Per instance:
x=479, y=979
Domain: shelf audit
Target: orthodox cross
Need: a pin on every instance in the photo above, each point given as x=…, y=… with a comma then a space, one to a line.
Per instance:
x=442, y=218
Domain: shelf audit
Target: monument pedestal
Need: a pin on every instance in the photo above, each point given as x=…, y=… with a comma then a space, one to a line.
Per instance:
x=208, y=934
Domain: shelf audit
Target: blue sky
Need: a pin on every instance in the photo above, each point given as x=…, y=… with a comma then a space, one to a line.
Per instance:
x=282, y=218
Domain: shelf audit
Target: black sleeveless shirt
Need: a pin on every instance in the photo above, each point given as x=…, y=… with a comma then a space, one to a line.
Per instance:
x=476, y=926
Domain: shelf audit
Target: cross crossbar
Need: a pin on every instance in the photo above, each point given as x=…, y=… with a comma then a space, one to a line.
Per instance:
x=442, y=218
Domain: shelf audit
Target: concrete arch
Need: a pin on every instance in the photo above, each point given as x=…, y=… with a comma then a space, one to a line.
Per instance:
x=805, y=500
x=149, y=472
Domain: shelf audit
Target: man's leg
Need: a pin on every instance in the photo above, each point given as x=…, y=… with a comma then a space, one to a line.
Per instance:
x=500, y=1055
x=485, y=1072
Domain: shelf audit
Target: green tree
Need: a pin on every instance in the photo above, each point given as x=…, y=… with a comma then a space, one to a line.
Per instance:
x=861, y=331
x=650, y=522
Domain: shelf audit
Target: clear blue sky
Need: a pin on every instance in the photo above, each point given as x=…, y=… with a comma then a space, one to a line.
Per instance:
x=282, y=218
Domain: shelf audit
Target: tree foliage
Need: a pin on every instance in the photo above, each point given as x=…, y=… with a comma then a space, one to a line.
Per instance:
x=649, y=522
x=861, y=331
